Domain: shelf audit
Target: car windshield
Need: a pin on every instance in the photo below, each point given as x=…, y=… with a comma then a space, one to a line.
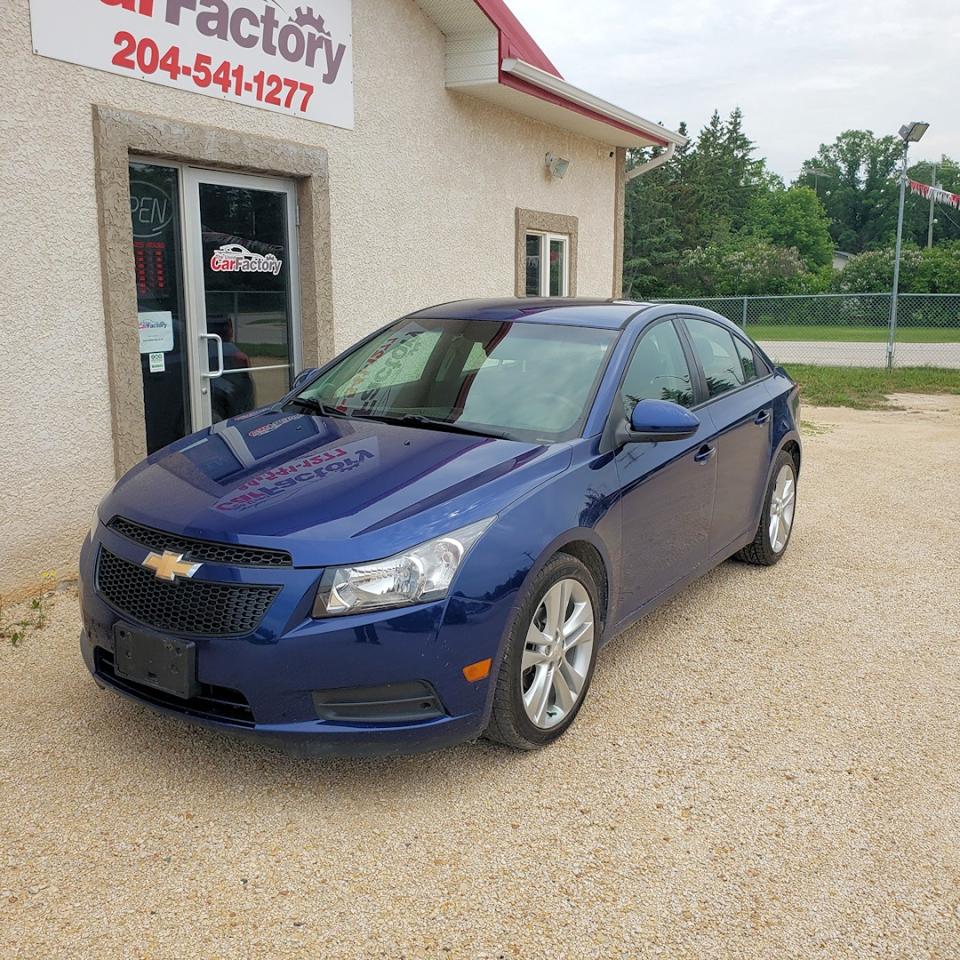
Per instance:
x=521, y=381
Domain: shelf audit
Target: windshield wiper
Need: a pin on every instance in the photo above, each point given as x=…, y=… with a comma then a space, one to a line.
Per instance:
x=413, y=419
x=432, y=423
x=315, y=406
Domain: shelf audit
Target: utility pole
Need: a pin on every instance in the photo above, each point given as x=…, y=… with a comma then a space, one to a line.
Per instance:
x=930, y=224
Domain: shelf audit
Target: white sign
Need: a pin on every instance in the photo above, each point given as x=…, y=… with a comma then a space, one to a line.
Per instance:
x=158, y=363
x=251, y=51
x=156, y=331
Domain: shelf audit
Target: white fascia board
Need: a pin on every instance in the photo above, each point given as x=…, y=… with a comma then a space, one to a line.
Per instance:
x=567, y=91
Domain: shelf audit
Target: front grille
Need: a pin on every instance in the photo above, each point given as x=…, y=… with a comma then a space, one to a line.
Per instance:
x=196, y=608
x=200, y=551
x=213, y=702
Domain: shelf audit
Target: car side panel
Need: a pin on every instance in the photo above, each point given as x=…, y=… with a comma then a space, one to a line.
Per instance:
x=582, y=504
x=667, y=490
x=744, y=432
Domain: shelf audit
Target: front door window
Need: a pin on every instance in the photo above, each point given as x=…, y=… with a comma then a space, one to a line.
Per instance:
x=217, y=294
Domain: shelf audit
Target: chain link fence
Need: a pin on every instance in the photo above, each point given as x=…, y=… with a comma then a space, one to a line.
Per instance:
x=849, y=330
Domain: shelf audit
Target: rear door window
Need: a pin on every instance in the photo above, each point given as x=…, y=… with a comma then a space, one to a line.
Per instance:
x=747, y=360
x=718, y=355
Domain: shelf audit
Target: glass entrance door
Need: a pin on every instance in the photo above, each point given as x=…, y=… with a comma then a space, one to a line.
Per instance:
x=243, y=290
x=217, y=280
x=156, y=213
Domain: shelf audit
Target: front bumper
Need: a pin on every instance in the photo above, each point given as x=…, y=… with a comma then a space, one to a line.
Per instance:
x=271, y=685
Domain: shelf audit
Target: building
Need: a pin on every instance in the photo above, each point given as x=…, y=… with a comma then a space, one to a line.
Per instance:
x=200, y=197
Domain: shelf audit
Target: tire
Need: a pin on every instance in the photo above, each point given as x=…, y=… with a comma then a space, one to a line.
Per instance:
x=765, y=551
x=568, y=654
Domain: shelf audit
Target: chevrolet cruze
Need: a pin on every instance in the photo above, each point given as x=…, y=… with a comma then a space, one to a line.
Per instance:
x=431, y=538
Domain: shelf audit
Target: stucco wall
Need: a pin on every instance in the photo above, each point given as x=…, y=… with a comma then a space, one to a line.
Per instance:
x=423, y=196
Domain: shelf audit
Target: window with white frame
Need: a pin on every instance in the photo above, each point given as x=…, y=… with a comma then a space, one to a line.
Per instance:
x=548, y=264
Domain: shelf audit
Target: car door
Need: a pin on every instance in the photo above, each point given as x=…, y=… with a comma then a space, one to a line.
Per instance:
x=666, y=488
x=741, y=409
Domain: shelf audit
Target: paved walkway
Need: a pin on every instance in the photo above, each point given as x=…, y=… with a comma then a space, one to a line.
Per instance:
x=841, y=354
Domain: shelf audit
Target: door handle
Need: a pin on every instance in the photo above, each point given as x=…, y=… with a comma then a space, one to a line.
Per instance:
x=704, y=454
x=762, y=417
x=213, y=374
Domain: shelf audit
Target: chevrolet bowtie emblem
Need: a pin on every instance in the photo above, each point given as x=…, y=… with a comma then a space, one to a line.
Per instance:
x=169, y=566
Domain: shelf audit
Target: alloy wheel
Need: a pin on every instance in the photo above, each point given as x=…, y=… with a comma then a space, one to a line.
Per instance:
x=557, y=653
x=782, y=505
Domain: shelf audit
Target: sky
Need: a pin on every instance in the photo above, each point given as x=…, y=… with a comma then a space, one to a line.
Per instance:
x=801, y=71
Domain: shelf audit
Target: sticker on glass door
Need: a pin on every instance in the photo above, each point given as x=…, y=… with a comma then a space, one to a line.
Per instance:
x=235, y=258
x=247, y=291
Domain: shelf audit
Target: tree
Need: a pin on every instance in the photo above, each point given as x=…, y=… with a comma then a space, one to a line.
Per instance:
x=740, y=267
x=660, y=218
x=794, y=218
x=856, y=184
x=939, y=270
x=724, y=176
x=705, y=193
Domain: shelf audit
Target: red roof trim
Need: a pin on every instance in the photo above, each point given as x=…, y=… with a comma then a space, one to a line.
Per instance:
x=514, y=39
x=528, y=88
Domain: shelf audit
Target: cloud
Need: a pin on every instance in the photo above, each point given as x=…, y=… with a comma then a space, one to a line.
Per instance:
x=802, y=72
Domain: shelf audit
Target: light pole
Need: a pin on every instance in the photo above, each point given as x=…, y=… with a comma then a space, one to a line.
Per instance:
x=910, y=133
x=816, y=173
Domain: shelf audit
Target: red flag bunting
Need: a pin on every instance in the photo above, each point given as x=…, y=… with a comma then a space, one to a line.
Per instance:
x=935, y=193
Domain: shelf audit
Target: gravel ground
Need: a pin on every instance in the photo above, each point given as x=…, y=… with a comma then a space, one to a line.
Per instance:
x=768, y=767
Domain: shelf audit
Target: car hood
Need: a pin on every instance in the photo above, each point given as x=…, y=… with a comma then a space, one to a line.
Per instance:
x=329, y=490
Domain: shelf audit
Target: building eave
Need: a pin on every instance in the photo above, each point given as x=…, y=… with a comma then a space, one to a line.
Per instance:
x=492, y=57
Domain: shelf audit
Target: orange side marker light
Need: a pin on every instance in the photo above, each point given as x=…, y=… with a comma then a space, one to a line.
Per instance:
x=477, y=671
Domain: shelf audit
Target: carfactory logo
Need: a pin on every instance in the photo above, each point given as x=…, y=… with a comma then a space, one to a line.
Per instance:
x=235, y=258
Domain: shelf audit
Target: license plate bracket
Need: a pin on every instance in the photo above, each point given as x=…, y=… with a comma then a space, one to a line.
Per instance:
x=164, y=663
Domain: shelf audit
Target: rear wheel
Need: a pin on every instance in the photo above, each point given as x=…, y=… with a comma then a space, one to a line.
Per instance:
x=776, y=521
x=548, y=663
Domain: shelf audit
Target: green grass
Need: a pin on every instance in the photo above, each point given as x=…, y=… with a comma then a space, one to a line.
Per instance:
x=867, y=388
x=847, y=334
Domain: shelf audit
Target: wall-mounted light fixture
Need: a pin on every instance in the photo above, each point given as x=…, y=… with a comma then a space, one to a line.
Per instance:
x=557, y=166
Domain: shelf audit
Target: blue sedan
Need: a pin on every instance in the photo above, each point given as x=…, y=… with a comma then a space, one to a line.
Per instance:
x=431, y=538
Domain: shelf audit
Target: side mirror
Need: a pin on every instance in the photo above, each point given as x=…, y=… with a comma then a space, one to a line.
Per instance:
x=303, y=376
x=655, y=420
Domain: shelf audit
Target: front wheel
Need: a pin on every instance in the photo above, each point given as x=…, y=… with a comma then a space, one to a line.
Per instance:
x=776, y=520
x=548, y=663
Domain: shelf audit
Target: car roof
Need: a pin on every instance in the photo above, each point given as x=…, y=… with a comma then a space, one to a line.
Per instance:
x=576, y=311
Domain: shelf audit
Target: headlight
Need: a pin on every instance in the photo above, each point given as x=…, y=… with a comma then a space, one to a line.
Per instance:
x=415, y=576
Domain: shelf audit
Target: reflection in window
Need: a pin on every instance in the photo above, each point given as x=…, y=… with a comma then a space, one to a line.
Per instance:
x=558, y=267
x=658, y=370
x=717, y=353
x=533, y=265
